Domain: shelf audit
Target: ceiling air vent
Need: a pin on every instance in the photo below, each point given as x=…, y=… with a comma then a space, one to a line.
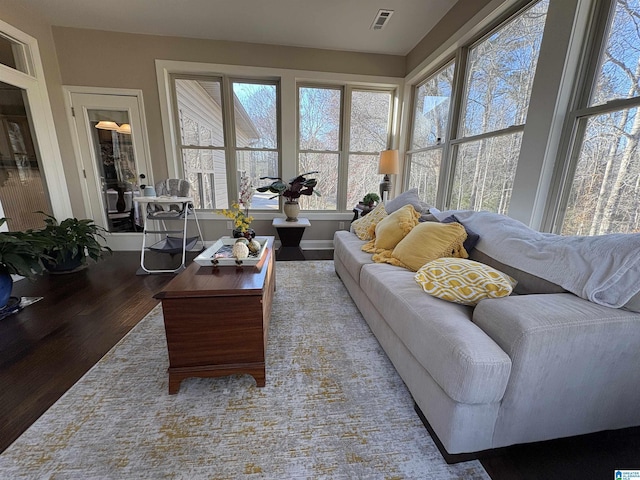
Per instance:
x=381, y=19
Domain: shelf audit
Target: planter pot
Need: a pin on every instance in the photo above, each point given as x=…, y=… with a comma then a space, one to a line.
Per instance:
x=291, y=210
x=250, y=233
x=6, y=285
x=67, y=265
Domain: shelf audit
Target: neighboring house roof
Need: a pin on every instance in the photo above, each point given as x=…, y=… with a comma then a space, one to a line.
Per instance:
x=243, y=121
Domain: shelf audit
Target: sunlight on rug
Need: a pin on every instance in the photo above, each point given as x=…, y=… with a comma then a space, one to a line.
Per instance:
x=333, y=406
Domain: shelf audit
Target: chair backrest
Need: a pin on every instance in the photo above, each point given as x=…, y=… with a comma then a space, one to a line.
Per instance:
x=174, y=187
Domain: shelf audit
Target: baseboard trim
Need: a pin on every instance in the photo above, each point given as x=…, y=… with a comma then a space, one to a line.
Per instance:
x=316, y=244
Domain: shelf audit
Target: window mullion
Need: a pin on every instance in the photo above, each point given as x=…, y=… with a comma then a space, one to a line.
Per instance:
x=343, y=156
x=228, y=125
x=447, y=166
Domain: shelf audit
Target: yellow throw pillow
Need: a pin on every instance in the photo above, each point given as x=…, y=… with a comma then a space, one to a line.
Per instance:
x=362, y=225
x=391, y=229
x=463, y=281
x=428, y=241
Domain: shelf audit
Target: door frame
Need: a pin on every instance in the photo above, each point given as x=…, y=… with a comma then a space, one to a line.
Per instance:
x=46, y=140
x=117, y=241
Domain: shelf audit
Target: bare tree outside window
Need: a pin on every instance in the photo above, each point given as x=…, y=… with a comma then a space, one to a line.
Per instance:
x=498, y=86
x=319, y=143
x=605, y=191
x=369, y=134
x=429, y=132
x=256, y=127
x=322, y=121
x=205, y=153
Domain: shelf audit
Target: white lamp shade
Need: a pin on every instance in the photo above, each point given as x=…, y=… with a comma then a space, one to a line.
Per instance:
x=389, y=163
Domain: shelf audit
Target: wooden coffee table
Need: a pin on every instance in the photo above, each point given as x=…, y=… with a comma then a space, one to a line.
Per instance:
x=216, y=320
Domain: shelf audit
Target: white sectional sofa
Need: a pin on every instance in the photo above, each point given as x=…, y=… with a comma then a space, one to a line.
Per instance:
x=523, y=368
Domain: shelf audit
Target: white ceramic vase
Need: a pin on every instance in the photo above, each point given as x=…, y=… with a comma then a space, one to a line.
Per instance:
x=291, y=210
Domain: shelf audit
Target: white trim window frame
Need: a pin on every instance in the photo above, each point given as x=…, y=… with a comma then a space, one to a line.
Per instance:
x=212, y=135
x=335, y=175
x=461, y=135
x=289, y=79
x=597, y=189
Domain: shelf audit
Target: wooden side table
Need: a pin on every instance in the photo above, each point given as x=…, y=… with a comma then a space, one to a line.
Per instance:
x=361, y=210
x=290, y=234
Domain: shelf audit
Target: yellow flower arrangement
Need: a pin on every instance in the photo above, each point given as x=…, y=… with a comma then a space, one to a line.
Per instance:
x=241, y=219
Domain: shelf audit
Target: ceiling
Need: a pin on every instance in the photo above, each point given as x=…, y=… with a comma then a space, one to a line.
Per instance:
x=327, y=24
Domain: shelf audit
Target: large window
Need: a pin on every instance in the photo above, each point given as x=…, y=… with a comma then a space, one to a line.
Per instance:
x=342, y=140
x=475, y=151
x=429, y=134
x=220, y=145
x=602, y=193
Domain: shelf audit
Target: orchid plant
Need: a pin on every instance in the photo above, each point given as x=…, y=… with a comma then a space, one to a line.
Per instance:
x=239, y=211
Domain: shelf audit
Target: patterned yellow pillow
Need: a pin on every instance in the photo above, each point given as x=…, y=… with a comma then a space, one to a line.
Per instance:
x=362, y=226
x=463, y=281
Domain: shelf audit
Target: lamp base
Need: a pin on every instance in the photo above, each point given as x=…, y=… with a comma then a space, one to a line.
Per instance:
x=385, y=188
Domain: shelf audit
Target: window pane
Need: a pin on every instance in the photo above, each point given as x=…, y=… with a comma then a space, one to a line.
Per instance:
x=369, y=121
x=484, y=173
x=619, y=72
x=12, y=54
x=207, y=172
x=424, y=173
x=255, y=165
x=363, y=178
x=431, y=113
x=500, y=74
x=319, y=118
x=22, y=187
x=605, y=193
x=200, y=112
x=255, y=115
x=327, y=166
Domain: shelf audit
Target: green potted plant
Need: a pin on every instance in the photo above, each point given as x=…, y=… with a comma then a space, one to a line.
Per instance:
x=291, y=191
x=20, y=254
x=70, y=242
x=370, y=199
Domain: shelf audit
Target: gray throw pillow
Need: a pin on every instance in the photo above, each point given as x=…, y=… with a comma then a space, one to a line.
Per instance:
x=410, y=197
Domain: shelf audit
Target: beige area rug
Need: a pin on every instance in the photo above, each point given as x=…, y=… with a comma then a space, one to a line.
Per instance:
x=333, y=407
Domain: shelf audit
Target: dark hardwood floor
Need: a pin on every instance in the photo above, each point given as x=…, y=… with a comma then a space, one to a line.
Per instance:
x=49, y=345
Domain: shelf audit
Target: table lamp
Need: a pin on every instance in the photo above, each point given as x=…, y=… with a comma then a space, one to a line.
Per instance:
x=388, y=165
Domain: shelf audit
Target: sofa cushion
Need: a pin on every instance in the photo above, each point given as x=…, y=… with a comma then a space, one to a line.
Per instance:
x=348, y=248
x=466, y=363
x=463, y=281
x=410, y=197
x=428, y=241
x=362, y=226
x=391, y=229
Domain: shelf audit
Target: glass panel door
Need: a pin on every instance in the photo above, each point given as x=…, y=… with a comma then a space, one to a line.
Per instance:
x=115, y=158
x=114, y=162
x=22, y=188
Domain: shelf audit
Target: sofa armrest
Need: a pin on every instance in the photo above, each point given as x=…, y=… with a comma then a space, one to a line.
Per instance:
x=571, y=358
